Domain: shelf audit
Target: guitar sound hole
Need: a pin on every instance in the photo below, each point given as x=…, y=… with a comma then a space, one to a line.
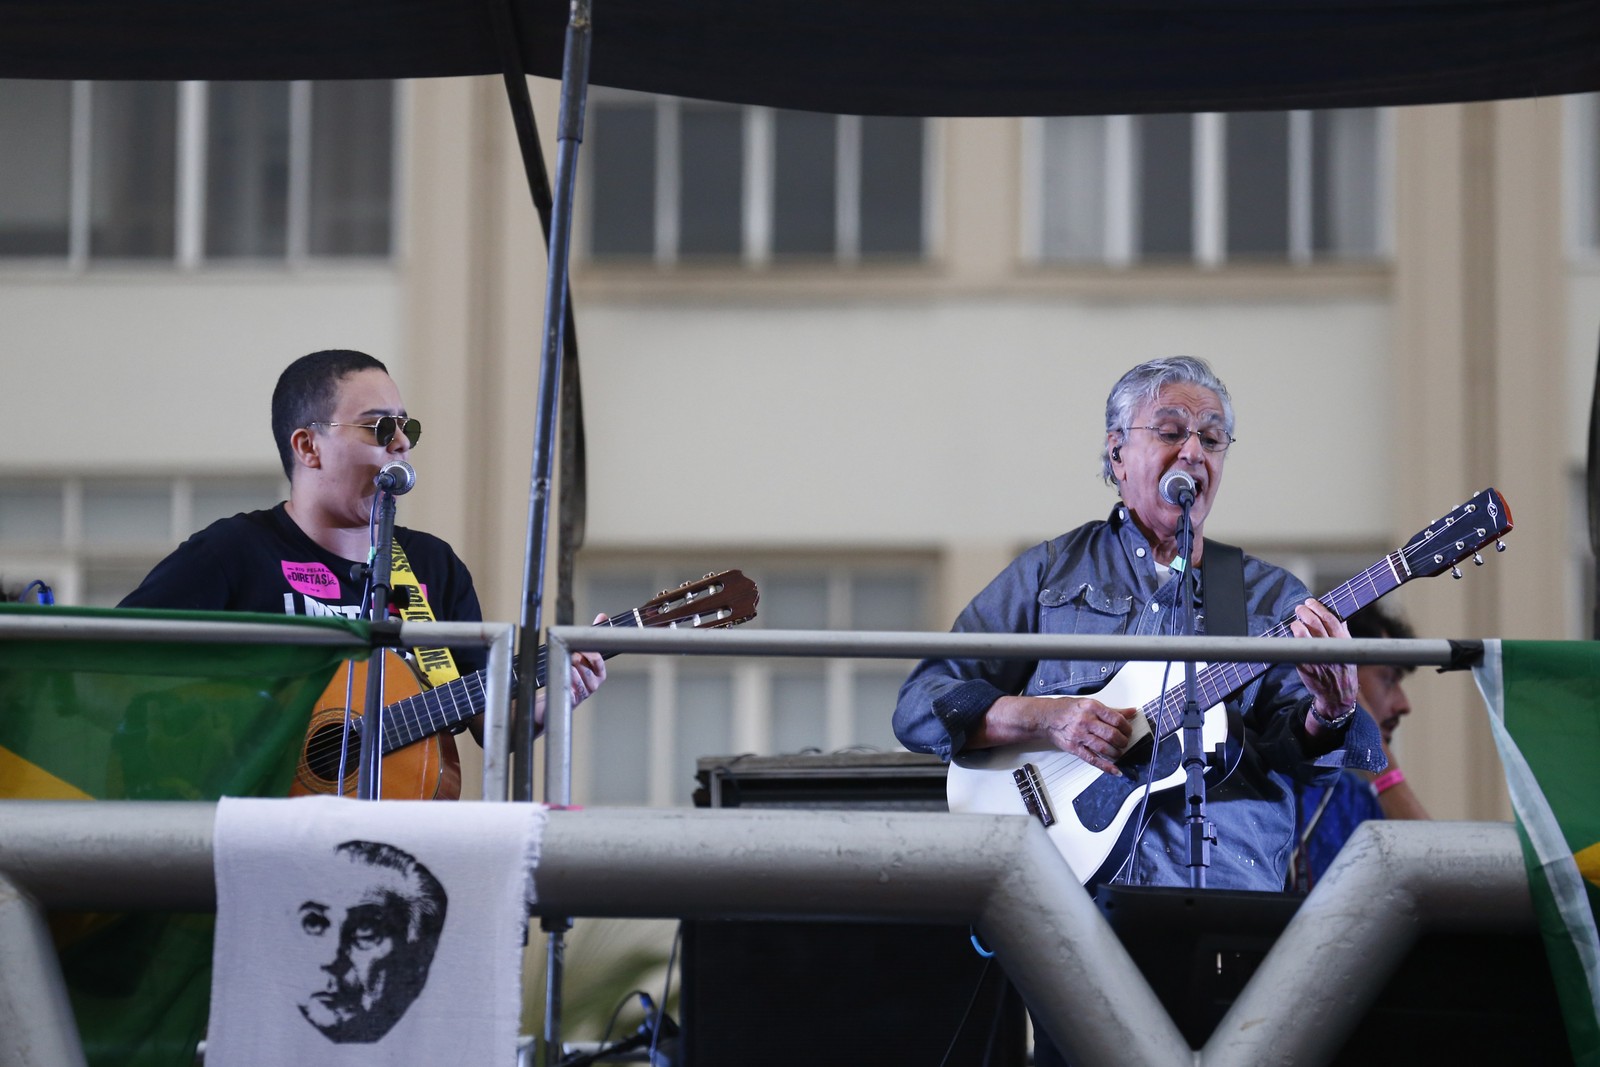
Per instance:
x=322, y=752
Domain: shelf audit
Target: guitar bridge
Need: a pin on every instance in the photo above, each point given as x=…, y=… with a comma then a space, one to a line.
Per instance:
x=1034, y=796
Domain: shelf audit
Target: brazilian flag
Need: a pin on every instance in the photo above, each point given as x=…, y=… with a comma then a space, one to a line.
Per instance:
x=113, y=720
x=1544, y=707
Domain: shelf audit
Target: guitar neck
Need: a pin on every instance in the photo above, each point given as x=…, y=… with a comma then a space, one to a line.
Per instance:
x=445, y=706
x=1219, y=680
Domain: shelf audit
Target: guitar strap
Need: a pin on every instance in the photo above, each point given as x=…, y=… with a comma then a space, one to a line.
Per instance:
x=1222, y=593
x=437, y=663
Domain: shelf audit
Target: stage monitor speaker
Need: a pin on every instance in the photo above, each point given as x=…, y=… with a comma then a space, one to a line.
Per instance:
x=879, y=781
x=796, y=994
x=1458, y=997
x=800, y=993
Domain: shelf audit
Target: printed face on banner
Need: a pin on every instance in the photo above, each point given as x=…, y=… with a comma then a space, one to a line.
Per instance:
x=367, y=937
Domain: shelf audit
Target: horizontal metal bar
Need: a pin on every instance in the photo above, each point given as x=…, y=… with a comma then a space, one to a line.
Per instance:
x=881, y=644
x=47, y=627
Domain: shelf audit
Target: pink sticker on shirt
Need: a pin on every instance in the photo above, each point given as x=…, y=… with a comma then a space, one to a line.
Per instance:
x=312, y=579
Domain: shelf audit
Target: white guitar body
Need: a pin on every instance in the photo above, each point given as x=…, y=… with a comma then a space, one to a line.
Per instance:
x=1085, y=811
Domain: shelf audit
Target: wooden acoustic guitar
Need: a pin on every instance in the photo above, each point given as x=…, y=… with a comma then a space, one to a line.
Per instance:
x=420, y=761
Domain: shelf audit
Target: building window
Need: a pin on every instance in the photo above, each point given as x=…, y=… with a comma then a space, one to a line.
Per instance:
x=637, y=740
x=1286, y=186
x=196, y=173
x=674, y=181
x=92, y=540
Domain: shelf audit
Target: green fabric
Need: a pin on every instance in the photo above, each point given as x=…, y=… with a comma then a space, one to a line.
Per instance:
x=1544, y=705
x=155, y=721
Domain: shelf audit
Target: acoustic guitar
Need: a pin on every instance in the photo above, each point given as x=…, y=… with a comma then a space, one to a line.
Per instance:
x=1088, y=814
x=420, y=761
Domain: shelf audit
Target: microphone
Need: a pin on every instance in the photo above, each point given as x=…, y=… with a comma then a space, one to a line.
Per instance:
x=1177, y=487
x=397, y=477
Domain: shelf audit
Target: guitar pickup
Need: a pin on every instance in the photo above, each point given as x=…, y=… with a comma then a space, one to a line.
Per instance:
x=1034, y=796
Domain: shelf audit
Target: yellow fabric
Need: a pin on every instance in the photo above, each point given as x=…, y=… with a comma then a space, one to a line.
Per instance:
x=437, y=663
x=22, y=780
x=1589, y=863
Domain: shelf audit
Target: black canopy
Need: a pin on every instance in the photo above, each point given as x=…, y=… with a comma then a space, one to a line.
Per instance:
x=926, y=57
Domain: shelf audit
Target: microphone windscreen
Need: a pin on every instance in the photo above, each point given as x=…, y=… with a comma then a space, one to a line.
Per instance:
x=1176, y=485
x=396, y=477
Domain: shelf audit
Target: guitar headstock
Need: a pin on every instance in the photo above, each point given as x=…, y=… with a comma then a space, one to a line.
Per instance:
x=726, y=598
x=1459, y=535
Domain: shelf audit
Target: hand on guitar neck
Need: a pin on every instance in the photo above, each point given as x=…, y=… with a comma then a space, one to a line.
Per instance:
x=588, y=674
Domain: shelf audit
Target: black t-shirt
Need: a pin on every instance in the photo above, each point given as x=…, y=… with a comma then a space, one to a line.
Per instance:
x=261, y=561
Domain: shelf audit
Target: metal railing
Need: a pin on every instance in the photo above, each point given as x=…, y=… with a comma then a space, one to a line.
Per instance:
x=1000, y=873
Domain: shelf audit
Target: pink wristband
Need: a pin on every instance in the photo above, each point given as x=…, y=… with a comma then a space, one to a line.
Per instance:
x=1388, y=780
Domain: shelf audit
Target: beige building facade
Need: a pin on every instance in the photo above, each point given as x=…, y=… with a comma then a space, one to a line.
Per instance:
x=873, y=440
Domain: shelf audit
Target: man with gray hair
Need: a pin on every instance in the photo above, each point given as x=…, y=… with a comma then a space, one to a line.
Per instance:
x=1166, y=419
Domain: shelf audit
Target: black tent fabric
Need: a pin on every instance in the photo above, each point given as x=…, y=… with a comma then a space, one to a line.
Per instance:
x=914, y=57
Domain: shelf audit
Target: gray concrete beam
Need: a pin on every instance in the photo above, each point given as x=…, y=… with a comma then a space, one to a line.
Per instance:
x=1000, y=873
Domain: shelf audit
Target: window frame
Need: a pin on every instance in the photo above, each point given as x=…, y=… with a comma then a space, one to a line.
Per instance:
x=751, y=679
x=1119, y=178
x=190, y=193
x=758, y=192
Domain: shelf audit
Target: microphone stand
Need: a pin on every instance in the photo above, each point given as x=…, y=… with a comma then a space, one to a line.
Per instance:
x=1201, y=834
x=369, y=774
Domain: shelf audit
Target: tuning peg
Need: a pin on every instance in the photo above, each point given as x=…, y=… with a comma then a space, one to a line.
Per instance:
x=1455, y=572
x=1477, y=559
x=1499, y=545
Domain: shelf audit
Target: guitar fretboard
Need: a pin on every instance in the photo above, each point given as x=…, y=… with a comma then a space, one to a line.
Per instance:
x=1220, y=680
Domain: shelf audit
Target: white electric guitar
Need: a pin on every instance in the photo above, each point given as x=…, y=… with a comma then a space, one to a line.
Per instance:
x=1089, y=814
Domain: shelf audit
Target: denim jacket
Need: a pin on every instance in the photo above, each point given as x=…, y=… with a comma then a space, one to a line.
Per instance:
x=1101, y=579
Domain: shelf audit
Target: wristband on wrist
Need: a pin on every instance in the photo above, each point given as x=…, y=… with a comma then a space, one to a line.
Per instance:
x=1388, y=780
x=1337, y=723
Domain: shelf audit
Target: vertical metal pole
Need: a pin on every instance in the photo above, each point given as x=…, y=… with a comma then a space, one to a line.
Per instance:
x=569, y=135
x=369, y=776
x=574, y=90
x=558, y=793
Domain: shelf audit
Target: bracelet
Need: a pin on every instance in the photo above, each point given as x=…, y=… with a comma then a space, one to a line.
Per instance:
x=1338, y=723
x=1388, y=780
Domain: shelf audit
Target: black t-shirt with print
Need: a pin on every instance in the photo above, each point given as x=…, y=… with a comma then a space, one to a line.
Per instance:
x=261, y=561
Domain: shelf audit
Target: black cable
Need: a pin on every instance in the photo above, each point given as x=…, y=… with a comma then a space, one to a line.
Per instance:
x=666, y=993
x=967, y=1014
x=623, y=1003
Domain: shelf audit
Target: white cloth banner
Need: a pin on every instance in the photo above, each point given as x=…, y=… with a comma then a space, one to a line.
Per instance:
x=351, y=932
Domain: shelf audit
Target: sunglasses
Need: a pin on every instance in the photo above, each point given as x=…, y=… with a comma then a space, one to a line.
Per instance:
x=386, y=427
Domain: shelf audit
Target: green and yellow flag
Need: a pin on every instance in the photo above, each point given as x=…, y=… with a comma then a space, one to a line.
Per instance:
x=1544, y=706
x=114, y=720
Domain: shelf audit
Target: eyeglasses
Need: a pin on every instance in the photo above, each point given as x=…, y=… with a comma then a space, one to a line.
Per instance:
x=385, y=429
x=1173, y=436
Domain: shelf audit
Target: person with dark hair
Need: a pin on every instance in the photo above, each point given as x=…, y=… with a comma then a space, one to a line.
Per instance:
x=372, y=930
x=1326, y=815
x=337, y=418
x=1169, y=424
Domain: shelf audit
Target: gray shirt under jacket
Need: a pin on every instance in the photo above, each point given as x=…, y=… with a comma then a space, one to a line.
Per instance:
x=1102, y=579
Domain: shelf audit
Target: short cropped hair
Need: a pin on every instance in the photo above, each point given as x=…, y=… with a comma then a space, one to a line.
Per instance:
x=1373, y=621
x=1144, y=383
x=306, y=391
